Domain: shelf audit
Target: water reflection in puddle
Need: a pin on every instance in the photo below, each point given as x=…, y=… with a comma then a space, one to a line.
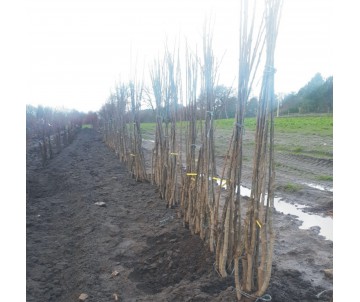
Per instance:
x=308, y=220
x=319, y=187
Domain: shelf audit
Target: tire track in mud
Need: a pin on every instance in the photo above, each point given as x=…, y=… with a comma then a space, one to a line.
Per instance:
x=305, y=164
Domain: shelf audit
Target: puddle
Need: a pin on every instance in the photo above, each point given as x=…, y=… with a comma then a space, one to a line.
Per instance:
x=319, y=187
x=308, y=220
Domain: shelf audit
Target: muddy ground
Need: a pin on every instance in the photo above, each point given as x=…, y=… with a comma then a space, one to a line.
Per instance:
x=74, y=245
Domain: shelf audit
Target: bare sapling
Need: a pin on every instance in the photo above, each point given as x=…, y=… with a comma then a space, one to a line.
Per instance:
x=122, y=94
x=138, y=162
x=159, y=152
x=171, y=102
x=249, y=57
x=189, y=180
x=165, y=78
x=206, y=163
x=258, y=231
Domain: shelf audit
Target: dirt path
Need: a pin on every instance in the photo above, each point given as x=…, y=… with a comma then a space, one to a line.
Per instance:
x=74, y=245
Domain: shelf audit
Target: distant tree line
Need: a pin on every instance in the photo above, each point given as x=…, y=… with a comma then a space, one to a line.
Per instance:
x=43, y=121
x=225, y=99
x=53, y=129
x=315, y=97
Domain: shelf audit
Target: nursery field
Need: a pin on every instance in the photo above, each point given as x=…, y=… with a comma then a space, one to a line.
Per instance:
x=92, y=229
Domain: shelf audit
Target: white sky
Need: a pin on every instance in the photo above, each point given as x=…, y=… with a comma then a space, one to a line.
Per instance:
x=79, y=49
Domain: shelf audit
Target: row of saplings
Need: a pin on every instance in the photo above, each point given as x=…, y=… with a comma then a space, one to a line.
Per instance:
x=51, y=144
x=239, y=233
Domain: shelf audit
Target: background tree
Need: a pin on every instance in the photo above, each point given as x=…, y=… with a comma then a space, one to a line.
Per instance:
x=224, y=102
x=91, y=118
x=315, y=97
x=251, y=107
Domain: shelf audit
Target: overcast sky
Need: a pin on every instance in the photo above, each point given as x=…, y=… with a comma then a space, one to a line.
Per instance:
x=79, y=49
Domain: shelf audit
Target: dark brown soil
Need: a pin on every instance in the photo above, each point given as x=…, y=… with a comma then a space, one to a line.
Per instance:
x=73, y=245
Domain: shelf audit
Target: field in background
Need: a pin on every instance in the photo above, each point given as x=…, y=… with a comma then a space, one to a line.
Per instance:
x=306, y=135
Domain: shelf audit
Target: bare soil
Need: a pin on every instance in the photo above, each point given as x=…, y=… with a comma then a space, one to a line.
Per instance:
x=135, y=249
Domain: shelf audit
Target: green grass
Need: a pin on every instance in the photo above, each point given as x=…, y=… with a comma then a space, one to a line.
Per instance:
x=148, y=127
x=291, y=187
x=86, y=126
x=148, y=130
x=300, y=135
x=318, y=125
x=325, y=177
x=313, y=125
x=298, y=149
x=228, y=124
